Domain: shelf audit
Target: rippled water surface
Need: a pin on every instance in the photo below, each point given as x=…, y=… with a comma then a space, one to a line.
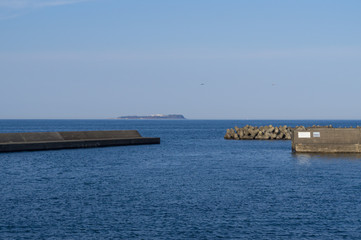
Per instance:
x=194, y=185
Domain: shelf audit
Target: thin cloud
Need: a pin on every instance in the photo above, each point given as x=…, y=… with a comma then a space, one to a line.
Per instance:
x=184, y=54
x=58, y=3
x=19, y=4
x=12, y=4
x=14, y=8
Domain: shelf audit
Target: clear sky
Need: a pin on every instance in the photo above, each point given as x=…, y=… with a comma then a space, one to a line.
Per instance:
x=206, y=59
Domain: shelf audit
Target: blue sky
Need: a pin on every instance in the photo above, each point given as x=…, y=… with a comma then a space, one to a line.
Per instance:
x=106, y=58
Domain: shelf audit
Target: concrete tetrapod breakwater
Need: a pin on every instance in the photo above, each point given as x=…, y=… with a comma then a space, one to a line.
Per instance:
x=315, y=139
x=30, y=141
x=261, y=133
x=270, y=132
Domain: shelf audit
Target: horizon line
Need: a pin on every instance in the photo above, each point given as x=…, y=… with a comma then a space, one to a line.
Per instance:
x=215, y=119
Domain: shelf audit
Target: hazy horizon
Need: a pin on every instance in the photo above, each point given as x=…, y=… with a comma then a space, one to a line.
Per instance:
x=186, y=118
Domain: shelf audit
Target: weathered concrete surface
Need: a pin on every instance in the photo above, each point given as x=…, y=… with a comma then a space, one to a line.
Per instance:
x=327, y=140
x=30, y=141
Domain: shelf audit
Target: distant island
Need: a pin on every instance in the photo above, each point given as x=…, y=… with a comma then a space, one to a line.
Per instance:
x=154, y=116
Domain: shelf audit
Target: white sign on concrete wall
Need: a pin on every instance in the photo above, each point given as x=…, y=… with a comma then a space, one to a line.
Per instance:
x=316, y=134
x=304, y=134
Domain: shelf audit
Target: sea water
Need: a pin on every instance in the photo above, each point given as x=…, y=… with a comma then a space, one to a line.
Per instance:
x=194, y=185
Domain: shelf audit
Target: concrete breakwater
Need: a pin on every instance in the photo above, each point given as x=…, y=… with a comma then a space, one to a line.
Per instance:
x=327, y=140
x=31, y=141
x=270, y=132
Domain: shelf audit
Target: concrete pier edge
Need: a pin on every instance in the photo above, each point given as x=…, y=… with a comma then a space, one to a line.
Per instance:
x=35, y=141
x=327, y=140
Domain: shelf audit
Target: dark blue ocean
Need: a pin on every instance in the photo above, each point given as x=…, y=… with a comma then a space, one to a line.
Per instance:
x=194, y=185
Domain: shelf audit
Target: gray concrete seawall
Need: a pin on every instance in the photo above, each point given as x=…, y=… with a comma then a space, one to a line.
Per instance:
x=327, y=140
x=31, y=141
